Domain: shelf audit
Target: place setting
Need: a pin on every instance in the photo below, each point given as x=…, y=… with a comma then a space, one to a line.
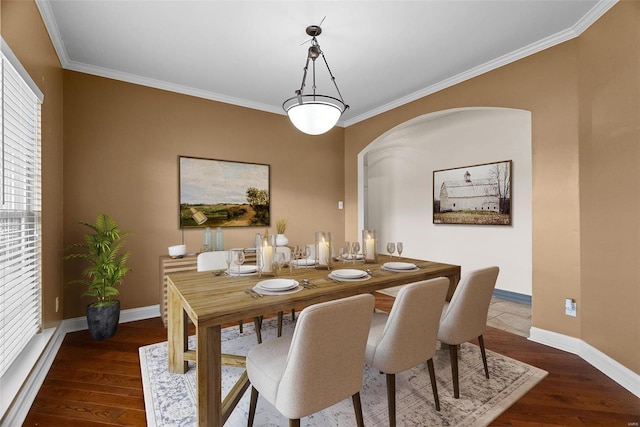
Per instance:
x=349, y=275
x=279, y=286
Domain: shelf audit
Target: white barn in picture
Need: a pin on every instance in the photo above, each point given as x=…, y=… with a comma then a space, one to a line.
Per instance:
x=470, y=195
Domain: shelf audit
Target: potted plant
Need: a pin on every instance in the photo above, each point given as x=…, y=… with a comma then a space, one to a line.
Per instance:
x=101, y=249
x=281, y=227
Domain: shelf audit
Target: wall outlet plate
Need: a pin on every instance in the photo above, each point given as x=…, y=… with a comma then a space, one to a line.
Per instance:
x=570, y=307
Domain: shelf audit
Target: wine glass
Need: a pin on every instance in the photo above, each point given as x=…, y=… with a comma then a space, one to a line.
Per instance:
x=399, y=248
x=229, y=260
x=391, y=248
x=355, y=249
x=279, y=260
x=238, y=258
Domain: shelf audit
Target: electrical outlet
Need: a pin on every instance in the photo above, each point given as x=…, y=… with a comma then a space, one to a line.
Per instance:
x=570, y=307
x=340, y=204
x=57, y=304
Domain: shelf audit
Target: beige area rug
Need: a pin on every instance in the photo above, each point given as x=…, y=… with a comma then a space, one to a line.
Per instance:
x=170, y=398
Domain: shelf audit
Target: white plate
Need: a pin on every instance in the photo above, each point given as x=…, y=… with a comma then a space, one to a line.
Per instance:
x=402, y=270
x=359, y=256
x=244, y=269
x=344, y=279
x=277, y=284
x=265, y=292
x=399, y=265
x=348, y=273
x=304, y=262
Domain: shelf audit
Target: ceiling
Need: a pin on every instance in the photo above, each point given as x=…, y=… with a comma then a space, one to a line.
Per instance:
x=252, y=53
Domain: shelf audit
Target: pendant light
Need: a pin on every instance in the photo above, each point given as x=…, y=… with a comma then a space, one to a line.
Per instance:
x=312, y=113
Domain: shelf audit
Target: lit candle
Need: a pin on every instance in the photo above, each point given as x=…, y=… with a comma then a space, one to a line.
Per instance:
x=267, y=257
x=323, y=252
x=370, y=248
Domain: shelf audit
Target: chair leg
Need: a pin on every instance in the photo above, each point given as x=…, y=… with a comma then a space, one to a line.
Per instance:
x=484, y=356
x=453, y=351
x=280, y=315
x=357, y=407
x=391, y=398
x=434, y=386
x=240, y=326
x=257, y=323
x=252, y=406
x=294, y=423
x=293, y=314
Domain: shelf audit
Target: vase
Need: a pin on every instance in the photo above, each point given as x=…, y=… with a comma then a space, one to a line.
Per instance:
x=281, y=240
x=103, y=321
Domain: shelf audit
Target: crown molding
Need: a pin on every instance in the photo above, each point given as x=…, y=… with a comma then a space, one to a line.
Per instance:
x=585, y=22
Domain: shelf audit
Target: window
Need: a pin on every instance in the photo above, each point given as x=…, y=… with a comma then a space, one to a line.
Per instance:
x=20, y=209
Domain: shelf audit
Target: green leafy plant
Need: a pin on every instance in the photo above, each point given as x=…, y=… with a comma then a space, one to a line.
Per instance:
x=107, y=265
x=281, y=225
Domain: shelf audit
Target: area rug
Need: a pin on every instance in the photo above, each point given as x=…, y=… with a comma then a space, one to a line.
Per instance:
x=170, y=398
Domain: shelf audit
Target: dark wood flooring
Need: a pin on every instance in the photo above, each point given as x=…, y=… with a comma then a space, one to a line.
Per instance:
x=98, y=383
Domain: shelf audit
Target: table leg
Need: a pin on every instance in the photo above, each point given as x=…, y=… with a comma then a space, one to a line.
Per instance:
x=209, y=376
x=177, y=334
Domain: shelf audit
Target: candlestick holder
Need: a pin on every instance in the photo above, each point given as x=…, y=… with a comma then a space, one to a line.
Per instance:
x=369, y=245
x=323, y=250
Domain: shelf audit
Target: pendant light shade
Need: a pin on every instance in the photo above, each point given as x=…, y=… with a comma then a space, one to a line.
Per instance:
x=314, y=114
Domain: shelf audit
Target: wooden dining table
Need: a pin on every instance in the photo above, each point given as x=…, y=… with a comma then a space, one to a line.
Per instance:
x=211, y=300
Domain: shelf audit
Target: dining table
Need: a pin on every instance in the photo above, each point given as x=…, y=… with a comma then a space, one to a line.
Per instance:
x=212, y=299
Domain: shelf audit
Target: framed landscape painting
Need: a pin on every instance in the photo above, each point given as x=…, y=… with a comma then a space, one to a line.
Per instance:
x=479, y=194
x=221, y=193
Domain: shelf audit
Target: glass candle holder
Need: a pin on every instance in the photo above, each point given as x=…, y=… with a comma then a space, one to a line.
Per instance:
x=369, y=245
x=323, y=249
x=266, y=254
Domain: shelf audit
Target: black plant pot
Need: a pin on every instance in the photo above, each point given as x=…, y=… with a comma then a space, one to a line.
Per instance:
x=103, y=321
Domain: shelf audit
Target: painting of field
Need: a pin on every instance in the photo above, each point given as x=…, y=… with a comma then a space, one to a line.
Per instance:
x=218, y=193
x=471, y=217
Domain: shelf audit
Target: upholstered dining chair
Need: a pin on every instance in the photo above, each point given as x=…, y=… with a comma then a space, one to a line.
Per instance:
x=407, y=336
x=217, y=260
x=321, y=364
x=465, y=317
x=287, y=258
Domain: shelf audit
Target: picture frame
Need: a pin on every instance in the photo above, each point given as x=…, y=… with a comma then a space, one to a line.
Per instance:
x=223, y=193
x=477, y=195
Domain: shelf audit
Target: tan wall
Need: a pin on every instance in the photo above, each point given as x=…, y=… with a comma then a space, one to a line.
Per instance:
x=550, y=85
x=25, y=33
x=122, y=143
x=609, y=179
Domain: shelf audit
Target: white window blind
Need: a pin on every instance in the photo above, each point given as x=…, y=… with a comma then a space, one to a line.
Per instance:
x=20, y=210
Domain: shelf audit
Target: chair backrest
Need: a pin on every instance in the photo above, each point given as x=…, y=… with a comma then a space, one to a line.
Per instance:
x=215, y=260
x=466, y=316
x=326, y=358
x=410, y=333
x=286, y=251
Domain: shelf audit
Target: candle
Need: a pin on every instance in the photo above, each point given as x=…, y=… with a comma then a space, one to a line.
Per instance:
x=323, y=252
x=370, y=248
x=267, y=257
x=369, y=245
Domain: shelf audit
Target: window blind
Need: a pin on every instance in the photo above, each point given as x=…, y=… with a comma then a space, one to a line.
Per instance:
x=20, y=210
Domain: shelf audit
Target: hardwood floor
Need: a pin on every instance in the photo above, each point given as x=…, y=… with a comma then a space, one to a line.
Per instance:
x=98, y=383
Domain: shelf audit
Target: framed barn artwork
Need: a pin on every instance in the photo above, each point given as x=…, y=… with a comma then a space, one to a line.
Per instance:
x=478, y=194
x=222, y=193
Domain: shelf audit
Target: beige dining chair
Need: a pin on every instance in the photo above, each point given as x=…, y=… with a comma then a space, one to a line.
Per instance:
x=465, y=317
x=321, y=364
x=287, y=259
x=217, y=260
x=407, y=336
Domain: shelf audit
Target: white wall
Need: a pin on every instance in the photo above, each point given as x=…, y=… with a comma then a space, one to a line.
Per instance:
x=395, y=180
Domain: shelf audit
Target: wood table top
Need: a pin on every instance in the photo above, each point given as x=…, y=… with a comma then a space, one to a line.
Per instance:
x=210, y=299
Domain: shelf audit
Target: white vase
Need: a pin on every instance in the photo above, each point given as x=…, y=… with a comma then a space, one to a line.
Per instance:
x=281, y=240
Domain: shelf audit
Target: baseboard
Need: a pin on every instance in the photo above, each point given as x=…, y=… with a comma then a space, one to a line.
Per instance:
x=19, y=408
x=608, y=366
x=512, y=296
x=131, y=315
x=21, y=403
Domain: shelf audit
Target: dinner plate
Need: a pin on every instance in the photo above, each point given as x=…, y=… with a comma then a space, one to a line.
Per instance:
x=265, y=292
x=349, y=257
x=304, y=262
x=399, y=265
x=277, y=284
x=348, y=273
x=344, y=279
x=244, y=269
x=402, y=270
